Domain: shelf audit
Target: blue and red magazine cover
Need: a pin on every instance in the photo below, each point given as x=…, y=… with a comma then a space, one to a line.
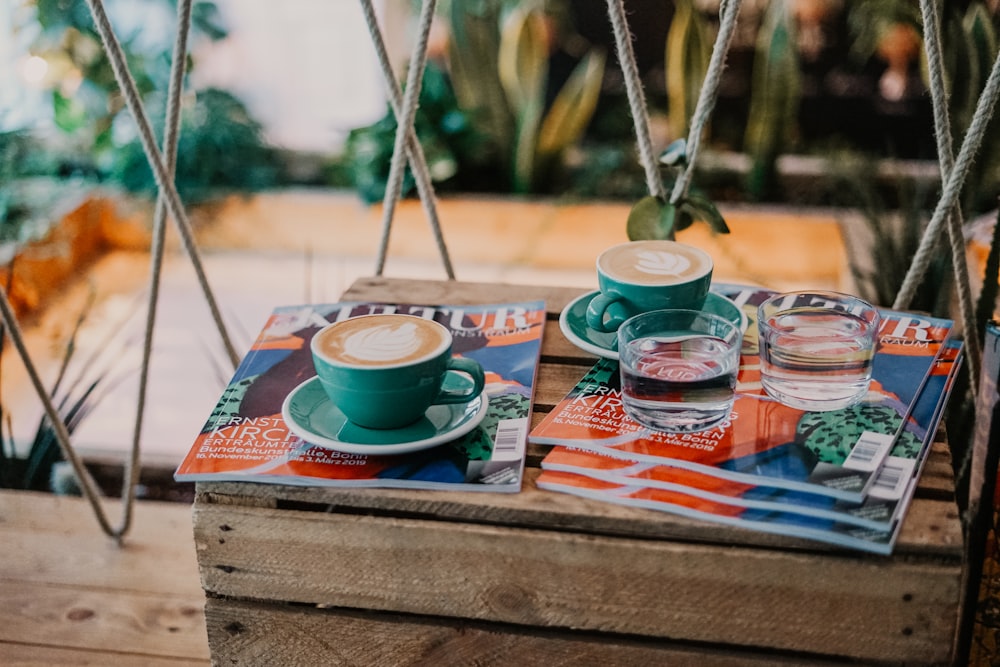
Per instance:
x=246, y=437
x=880, y=511
x=836, y=453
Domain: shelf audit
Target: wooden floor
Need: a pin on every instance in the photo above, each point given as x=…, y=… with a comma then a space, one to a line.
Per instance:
x=72, y=596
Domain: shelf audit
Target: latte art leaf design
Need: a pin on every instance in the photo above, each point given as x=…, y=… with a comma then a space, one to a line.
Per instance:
x=662, y=263
x=383, y=343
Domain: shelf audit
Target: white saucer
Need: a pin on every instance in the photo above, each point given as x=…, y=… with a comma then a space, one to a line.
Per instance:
x=311, y=415
x=573, y=323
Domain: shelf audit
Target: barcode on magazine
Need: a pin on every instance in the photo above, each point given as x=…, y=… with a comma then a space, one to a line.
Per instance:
x=892, y=478
x=869, y=451
x=510, y=438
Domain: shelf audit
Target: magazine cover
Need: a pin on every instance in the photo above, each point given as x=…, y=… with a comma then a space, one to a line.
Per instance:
x=247, y=438
x=781, y=523
x=895, y=482
x=835, y=453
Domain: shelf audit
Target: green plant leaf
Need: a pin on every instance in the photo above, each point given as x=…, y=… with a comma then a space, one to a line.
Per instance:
x=702, y=208
x=774, y=98
x=573, y=106
x=522, y=58
x=688, y=52
x=651, y=218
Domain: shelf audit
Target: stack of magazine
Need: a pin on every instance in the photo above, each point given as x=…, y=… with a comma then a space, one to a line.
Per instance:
x=248, y=436
x=843, y=477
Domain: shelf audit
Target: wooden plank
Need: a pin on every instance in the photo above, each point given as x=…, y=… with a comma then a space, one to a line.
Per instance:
x=931, y=528
x=453, y=292
x=873, y=608
x=65, y=585
x=19, y=655
x=51, y=539
x=244, y=632
x=138, y=624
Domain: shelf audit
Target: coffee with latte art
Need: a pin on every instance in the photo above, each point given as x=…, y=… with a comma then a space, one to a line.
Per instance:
x=654, y=263
x=381, y=340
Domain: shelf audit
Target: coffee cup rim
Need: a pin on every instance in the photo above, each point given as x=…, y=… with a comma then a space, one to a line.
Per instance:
x=446, y=343
x=701, y=276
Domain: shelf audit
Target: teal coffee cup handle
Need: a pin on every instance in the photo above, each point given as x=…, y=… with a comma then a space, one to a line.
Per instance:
x=605, y=313
x=467, y=367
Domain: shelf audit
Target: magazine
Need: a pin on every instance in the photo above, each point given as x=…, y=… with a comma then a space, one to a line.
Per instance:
x=893, y=486
x=246, y=438
x=782, y=523
x=835, y=453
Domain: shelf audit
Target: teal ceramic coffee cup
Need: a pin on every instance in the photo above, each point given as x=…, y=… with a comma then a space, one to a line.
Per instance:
x=385, y=371
x=640, y=276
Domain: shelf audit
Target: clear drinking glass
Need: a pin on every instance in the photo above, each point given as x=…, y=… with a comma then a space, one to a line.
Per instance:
x=678, y=369
x=816, y=348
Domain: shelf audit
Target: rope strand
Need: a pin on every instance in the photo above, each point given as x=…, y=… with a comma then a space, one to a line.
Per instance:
x=404, y=126
x=164, y=182
x=414, y=150
x=942, y=132
x=728, y=11
x=636, y=97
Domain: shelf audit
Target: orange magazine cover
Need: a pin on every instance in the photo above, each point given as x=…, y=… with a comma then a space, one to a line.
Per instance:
x=684, y=504
x=247, y=437
x=893, y=487
x=835, y=453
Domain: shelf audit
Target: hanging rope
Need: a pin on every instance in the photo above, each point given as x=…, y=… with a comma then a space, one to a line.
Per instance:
x=164, y=181
x=942, y=132
x=414, y=151
x=131, y=469
x=728, y=11
x=170, y=135
x=952, y=188
x=636, y=97
x=404, y=126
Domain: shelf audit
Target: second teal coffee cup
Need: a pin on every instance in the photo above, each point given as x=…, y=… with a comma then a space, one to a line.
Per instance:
x=640, y=276
x=385, y=371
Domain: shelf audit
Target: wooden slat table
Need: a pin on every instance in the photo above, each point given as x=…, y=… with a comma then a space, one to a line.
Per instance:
x=384, y=577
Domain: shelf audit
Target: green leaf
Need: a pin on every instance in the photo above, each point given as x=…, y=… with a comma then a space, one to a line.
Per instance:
x=702, y=208
x=651, y=219
x=68, y=113
x=688, y=51
x=522, y=58
x=574, y=106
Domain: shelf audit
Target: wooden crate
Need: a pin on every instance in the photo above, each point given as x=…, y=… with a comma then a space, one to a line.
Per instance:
x=303, y=576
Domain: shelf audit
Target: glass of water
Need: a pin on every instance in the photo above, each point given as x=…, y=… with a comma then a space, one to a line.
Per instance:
x=678, y=369
x=816, y=348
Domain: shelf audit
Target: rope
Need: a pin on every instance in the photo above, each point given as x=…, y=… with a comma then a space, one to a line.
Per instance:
x=132, y=469
x=414, y=150
x=952, y=188
x=404, y=127
x=728, y=11
x=942, y=132
x=87, y=483
x=170, y=135
x=163, y=179
x=636, y=97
